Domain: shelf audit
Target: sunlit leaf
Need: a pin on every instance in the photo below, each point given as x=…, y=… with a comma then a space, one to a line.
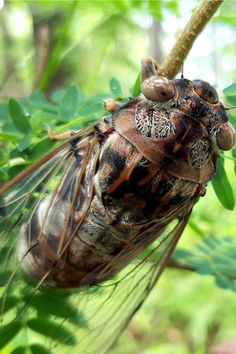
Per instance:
x=230, y=90
x=41, y=119
x=52, y=330
x=224, y=283
x=8, y=136
x=212, y=256
x=57, y=306
x=40, y=149
x=24, y=143
x=172, y=6
x=20, y=350
x=155, y=9
x=137, y=87
x=8, y=332
x=39, y=349
x=10, y=302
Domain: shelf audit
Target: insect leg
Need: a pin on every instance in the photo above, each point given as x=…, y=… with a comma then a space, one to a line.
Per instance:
x=60, y=136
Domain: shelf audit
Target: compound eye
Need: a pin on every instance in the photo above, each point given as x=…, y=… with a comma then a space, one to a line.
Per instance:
x=225, y=137
x=205, y=91
x=158, y=88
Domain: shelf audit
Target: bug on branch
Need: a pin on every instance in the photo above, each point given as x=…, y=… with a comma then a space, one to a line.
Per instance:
x=104, y=211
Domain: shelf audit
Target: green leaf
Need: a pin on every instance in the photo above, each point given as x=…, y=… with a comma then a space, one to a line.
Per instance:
x=155, y=9
x=58, y=95
x=3, y=175
x=69, y=105
x=195, y=227
x=215, y=256
x=15, y=170
x=230, y=90
x=228, y=270
x=24, y=143
x=115, y=87
x=211, y=241
x=41, y=149
x=37, y=101
x=9, y=303
x=20, y=350
x=4, y=275
x=4, y=113
x=57, y=306
x=3, y=158
x=137, y=87
x=224, y=283
x=39, y=349
x=173, y=6
x=41, y=119
x=8, y=136
x=181, y=254
x=231, y=100
x=222, y=187
x=8, y=332
x=203, y=268
x=52, y=330
x=234, y=156
x=19, y=117
x=92, y=106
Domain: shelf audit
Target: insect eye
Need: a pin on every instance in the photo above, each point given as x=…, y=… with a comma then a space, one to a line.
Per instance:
x=158, y=88
x=225, y=137
x=205, y=91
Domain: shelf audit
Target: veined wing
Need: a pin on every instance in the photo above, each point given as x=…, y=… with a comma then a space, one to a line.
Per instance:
x=63, y=178
x=87, y=320
x=107, y=309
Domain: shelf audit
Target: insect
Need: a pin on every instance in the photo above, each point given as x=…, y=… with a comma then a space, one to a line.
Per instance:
x=104, y=211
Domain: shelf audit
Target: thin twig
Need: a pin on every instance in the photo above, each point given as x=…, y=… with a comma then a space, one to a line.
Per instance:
x=201, y=16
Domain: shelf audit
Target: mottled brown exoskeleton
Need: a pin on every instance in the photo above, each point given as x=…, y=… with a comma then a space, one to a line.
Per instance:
x=120, y=192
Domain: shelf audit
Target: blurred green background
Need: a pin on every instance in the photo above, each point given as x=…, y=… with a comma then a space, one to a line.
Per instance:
x=55, y=46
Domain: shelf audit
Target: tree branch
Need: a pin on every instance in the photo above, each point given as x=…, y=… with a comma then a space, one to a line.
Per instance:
x=186, y=38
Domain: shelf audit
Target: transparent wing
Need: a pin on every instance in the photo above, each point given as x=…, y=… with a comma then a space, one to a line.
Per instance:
x=108, y=308
x=90, y=319
x=63, y=178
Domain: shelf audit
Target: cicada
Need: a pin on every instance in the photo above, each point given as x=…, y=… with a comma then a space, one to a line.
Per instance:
x=103, y=212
